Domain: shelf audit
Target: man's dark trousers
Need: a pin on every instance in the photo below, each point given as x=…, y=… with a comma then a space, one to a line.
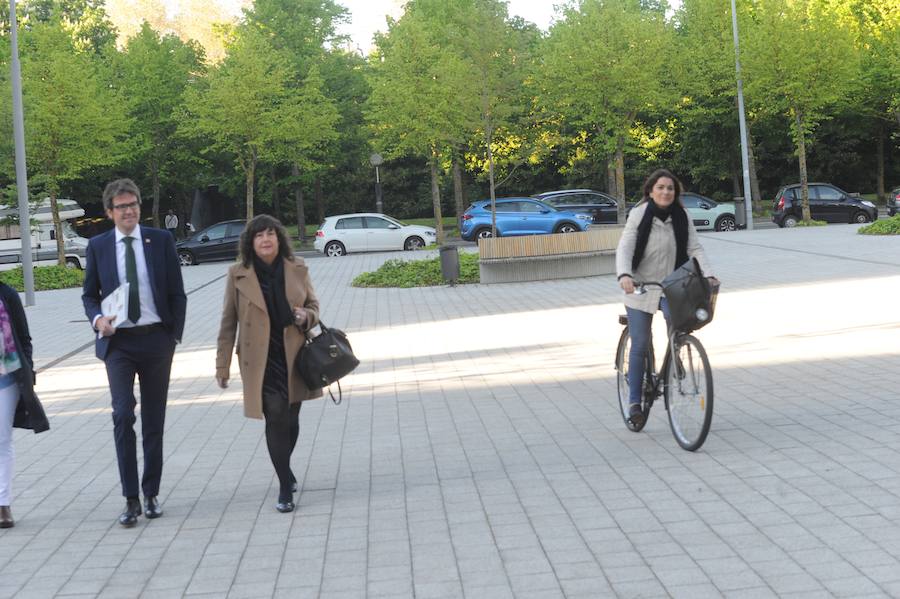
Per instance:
x=149, y=356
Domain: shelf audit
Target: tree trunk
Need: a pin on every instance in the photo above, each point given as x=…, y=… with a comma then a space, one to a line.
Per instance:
x=298, y=202
x=57, y=228
x=736, y=176
x=489, y=138
x=320, y=199
x=436, y=197
x=801, y=154
x=754, y=180
x=251, y=174
x=879, y=183
x=620, y=177
x=611, y=178
x=458, y=186
x=276, y=196
x=154, y=175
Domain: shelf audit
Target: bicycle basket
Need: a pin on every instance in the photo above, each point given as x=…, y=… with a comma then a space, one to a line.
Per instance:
x=690, y=295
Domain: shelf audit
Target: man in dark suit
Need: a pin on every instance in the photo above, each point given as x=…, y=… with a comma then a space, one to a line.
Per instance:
x=142, y=345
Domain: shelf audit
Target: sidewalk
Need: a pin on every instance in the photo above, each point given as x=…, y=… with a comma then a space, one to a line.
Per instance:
x=479, y=451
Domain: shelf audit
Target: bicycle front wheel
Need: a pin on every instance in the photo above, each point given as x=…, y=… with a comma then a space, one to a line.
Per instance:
x=689, y=393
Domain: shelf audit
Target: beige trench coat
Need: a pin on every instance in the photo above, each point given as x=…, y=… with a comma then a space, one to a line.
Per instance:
x=244, y=315
x=659, y=256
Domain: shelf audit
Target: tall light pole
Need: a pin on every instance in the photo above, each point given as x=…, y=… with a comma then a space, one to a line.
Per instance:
x=745, y=155
x=376, y=160
x=21, y=173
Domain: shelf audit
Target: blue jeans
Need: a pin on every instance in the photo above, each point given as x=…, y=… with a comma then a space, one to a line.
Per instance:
x=639, y=330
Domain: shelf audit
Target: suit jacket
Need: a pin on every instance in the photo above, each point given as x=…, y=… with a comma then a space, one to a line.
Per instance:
x=245, y=317
x=101, y=277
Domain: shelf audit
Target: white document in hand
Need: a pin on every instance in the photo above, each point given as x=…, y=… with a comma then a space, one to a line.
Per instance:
x=116, y=304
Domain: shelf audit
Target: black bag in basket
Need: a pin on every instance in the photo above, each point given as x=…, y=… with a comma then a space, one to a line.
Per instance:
x=325, y=359
x=690, y=295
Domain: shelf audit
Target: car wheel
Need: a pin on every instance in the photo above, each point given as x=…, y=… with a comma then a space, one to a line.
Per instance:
x=414, y=243
x=334, y=249
x=567, y=228
x=186, y=258
x=790, y=221
x=73, y=263
x=726, y=222
x=483, y=233
x=860, y=217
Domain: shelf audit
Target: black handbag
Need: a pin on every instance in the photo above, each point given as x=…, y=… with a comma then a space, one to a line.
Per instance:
x=325, y=359
x=691, y=297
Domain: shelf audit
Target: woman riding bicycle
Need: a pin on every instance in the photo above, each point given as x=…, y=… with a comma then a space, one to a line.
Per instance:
x=658, y=238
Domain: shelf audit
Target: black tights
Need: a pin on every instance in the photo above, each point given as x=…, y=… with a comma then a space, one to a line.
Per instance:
x=282, y=430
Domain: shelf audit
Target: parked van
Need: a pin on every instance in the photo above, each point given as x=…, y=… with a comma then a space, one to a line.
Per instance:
x=43, y=235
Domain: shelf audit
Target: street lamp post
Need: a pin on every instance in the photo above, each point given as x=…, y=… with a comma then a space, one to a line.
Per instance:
x=745, y=155
x=376, y=160
x=21, y=173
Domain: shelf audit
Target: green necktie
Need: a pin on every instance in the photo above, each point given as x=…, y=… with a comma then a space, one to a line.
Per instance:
x=134, y=299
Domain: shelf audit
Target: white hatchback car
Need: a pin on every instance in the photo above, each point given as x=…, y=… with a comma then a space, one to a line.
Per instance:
x=369, y=232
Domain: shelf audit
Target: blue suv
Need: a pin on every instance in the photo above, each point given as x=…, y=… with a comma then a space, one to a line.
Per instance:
x=519, y=216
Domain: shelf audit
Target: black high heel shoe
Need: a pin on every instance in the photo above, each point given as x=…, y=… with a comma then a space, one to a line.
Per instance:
x=285, y=502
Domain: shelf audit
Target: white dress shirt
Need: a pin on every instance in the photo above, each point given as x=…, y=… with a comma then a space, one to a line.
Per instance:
x=149, y=315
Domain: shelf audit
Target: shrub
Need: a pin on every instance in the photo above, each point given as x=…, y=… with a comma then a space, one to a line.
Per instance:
x=885, y=226
x=417, y=273
x=45, y=278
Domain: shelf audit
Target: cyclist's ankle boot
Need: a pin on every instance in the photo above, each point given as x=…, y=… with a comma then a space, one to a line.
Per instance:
x=636, y=414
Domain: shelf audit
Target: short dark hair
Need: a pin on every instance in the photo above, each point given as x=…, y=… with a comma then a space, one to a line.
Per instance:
x=656, y=176
x=258, y=224
x=116, y=188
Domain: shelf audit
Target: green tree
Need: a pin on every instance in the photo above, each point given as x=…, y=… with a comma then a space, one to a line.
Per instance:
x=604, y=64
x=73, y=122
x=799, y=61
x=155, y=73
x=422, y=98
x=497, y=50
x=249, y=108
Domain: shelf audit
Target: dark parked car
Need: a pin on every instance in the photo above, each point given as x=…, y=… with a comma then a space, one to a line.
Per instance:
x=215, y=242
x=893, y=202
x=519, y=216
x=600, y=206
x=826, y=202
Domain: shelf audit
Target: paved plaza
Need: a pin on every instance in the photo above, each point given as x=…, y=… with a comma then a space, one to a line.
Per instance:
x=479, y=451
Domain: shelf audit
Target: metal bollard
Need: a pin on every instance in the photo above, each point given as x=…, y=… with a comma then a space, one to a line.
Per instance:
x=450, y=263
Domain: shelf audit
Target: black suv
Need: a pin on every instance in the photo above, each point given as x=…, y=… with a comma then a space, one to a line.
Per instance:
x=893, y=202
x=600, y=206
x=826, y=202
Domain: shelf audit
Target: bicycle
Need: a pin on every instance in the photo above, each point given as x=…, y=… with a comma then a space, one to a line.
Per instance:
x=685, y=382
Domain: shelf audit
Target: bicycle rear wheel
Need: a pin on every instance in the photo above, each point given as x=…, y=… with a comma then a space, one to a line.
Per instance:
x=622, y=351
x=689, y=393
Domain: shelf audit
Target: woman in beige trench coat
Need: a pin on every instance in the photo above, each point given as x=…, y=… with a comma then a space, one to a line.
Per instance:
x=269, y=306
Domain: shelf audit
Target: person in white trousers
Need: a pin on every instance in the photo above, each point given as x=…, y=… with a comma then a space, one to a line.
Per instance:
x=19, y=405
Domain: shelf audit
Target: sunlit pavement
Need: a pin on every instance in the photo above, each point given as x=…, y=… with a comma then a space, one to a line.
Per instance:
x=479, y=451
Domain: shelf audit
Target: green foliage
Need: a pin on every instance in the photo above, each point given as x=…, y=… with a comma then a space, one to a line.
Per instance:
x=45, y=278
x=418, y=273
x=885, y=226
x=811, y=223
x=249, y=108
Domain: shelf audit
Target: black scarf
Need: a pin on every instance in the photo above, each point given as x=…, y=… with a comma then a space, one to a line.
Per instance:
x=680, y=223
x=271, y=282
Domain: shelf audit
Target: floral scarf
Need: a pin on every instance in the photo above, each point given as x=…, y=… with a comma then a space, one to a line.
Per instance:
x=9, y=356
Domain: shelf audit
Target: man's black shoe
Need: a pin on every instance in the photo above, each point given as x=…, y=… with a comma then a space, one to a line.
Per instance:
x=151, y=507
x=129, y=517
